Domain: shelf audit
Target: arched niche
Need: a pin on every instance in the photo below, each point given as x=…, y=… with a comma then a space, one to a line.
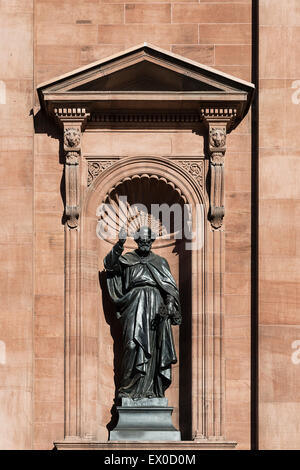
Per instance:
x=130, y=176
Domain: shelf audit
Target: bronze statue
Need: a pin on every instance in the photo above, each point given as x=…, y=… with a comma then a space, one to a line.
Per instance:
x=147, y=299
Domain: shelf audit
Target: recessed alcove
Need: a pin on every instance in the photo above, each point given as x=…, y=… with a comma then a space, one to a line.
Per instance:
x=147, y=188
x=151, y=192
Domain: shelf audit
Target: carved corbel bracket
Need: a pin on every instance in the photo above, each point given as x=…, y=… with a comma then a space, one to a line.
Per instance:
x=218, y=122
x=217, y=149
x=72, y=121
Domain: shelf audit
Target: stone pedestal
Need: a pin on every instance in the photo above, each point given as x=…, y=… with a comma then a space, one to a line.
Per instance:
x=147, y=419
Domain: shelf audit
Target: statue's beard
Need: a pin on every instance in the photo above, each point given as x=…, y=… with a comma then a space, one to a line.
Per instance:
x=144, y=248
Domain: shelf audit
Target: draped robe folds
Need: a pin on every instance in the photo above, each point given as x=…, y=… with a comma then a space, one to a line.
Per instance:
x=139, y=286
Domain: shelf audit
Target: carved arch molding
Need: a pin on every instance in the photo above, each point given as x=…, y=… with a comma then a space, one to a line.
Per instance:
x=146, y=87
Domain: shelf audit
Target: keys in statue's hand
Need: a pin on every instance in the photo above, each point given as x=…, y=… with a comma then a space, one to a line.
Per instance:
x=169, y=311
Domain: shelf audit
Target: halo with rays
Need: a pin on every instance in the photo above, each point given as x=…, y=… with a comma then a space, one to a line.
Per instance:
x=128, y=205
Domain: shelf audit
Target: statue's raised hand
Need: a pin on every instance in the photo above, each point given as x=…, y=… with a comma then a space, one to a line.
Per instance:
x=122, y=236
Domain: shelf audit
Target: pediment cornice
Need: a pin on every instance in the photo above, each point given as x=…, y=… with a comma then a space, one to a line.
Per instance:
x=142, y=78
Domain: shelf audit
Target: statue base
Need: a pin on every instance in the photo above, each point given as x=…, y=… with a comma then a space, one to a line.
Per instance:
x=145, y=419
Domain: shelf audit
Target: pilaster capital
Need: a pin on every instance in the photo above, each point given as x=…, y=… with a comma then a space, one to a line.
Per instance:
x=72, y=158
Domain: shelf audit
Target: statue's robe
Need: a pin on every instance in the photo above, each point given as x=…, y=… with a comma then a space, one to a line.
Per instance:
x=139, y=286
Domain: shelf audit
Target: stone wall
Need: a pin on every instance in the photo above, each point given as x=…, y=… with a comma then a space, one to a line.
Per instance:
x=16, y=232
x=279, y=322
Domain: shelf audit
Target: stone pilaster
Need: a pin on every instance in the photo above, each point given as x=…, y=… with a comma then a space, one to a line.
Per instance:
x=72, y=122
x=218, y=122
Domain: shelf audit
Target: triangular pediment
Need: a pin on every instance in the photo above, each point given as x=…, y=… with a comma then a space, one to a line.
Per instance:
x=146, y=76
x=145, y=68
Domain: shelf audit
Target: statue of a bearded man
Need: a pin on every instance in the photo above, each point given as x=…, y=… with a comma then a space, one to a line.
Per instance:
x=144, y=291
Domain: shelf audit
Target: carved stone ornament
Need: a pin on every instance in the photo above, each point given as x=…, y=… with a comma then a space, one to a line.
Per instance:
x=217, y=158
x=72, y=137
x=72, y=142
x=72, y=158
x=145, y=117
x=217, y=148
x=95, y=168
x=195, y=169
x=217, y=137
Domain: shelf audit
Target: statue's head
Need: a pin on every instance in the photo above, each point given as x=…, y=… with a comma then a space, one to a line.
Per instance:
x=144, y=237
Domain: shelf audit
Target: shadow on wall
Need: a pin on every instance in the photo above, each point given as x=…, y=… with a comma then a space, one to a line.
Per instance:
x=43, y=125
x=116, y=334
x=185, y=341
